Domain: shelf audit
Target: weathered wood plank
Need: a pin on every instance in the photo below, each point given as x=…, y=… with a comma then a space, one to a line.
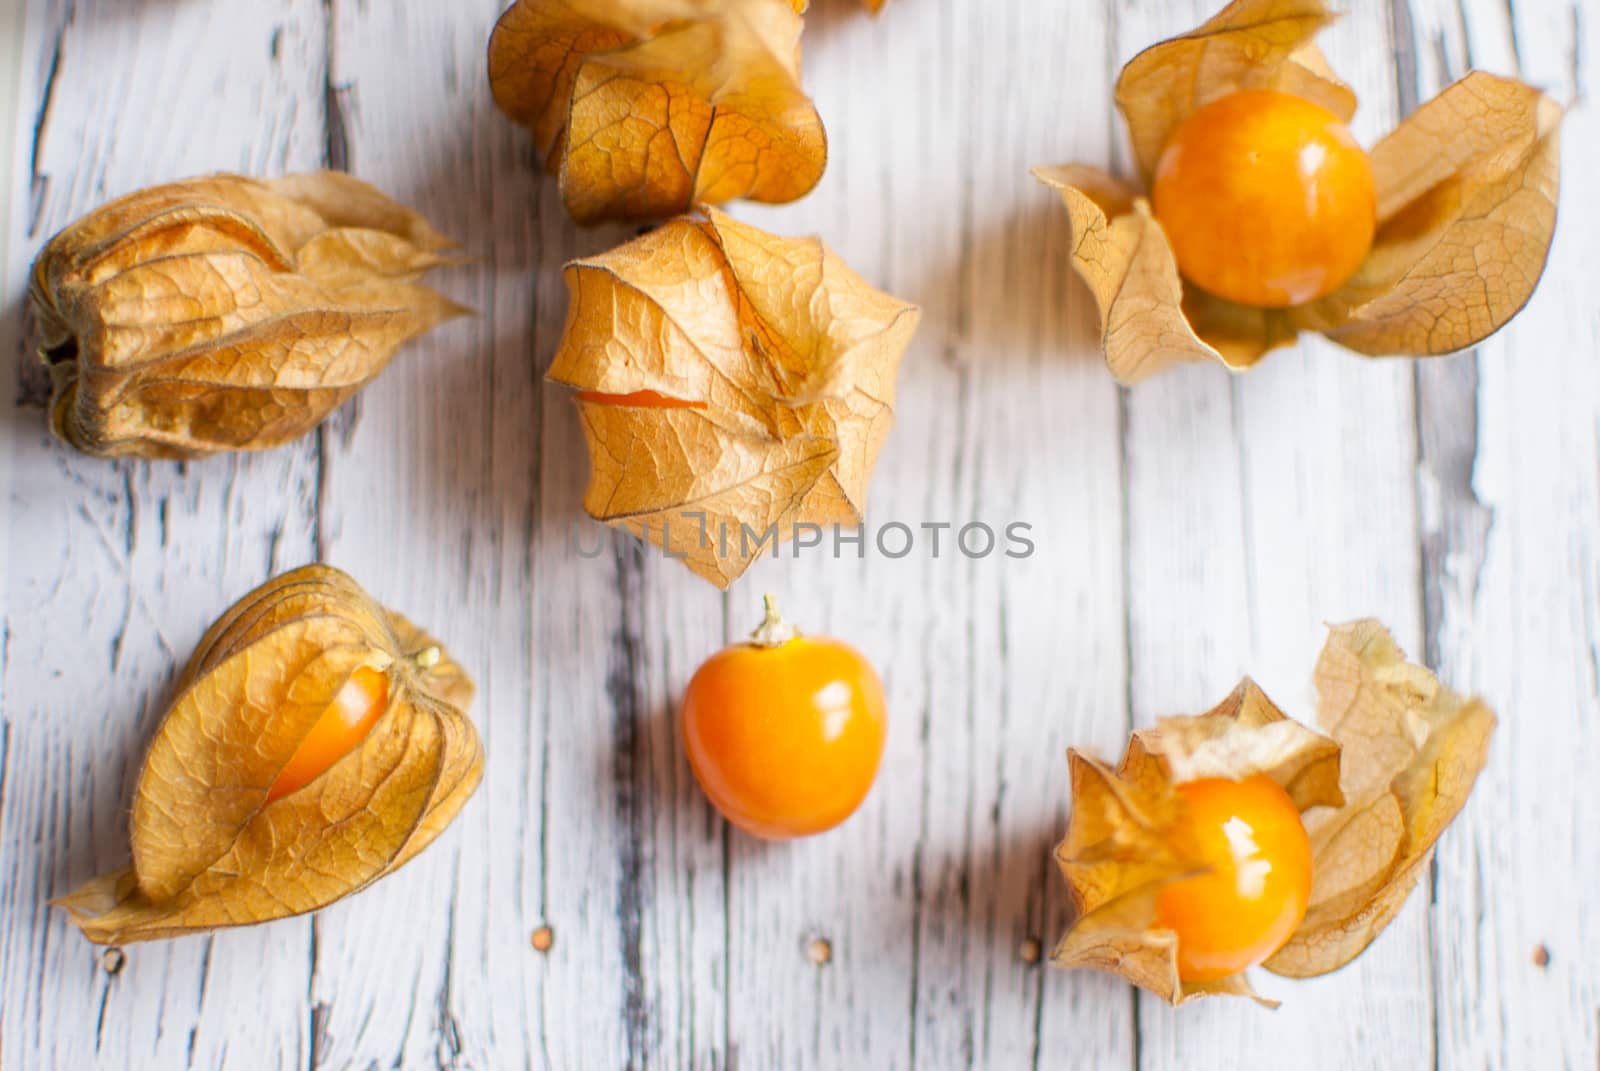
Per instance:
x=1510, y=488
x=460, y=486
x=1259, y=508
x=994, y=664
x=114, y=569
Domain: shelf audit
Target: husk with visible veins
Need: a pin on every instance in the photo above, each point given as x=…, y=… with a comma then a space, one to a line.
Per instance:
x=1466, y=213
x=645, y=108
x=1125, y=840
x=1399, y=760
x=1467, y=190
x=1413, y=750
x=228, y=313
x=783, y=360
x=208, y=851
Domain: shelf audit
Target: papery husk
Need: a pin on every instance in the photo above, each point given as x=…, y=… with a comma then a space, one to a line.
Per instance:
x=1400, y=757
x=1467, y=190
x=208, y=850
x=1148, y=318
x=1412, y=752
x=1467, y=193
x=228, y=313
x=1249, y=44
x=786, y=359
x=1125, y=840
x=645, y=108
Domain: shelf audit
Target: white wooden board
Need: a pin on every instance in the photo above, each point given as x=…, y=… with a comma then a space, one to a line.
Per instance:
x=1187, y=532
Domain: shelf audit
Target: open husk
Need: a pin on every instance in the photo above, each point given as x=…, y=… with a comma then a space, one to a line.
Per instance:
x=779, y=365
x=1400, y=755
x=228, y=313
x=1412, y=752
x=646, y=108
x=1467, y=191
x=208, y=850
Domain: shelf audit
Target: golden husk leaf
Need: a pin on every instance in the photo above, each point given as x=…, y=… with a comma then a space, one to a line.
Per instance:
x=1249, y=44
x=208, y=850
x=646, y=108
x=1148, y=320
x=1412, y=752
x=1467, y=209
x=228, y=313
x=779, y=362
x=1125, y=841
x=1400, y=757
x=1467, y=190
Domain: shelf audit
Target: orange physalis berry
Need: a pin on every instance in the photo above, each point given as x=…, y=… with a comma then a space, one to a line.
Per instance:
x=1266, y=198
x=343, y=725
x=1254, y=896
x=785, y=732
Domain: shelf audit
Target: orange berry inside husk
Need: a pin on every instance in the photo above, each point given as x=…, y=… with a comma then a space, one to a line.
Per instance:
x=346, y=722
x=1266, y=198
x=639, y=399
x=1254, y=893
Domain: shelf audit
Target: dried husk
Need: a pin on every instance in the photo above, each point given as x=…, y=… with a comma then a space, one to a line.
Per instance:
x=1412, y=752
x=1125, y=840
x=208, y=851
x=1466, y=212
x=1467, y=191
x=228, y=313
x=1399, y=760
x=646, y=108
x=782, y=361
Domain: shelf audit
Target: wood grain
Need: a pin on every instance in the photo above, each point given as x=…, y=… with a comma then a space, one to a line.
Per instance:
x=1515, y=565
x=1260, y=507
x=1186, y=532
x=115, y=569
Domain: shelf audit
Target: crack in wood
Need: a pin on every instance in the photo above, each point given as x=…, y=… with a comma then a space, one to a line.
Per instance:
x=628, y=765
x=335, y=130
x=5, y=726
x=317, y=1050
x=39, y=184
x=1455, y=523
x=448, y=1046
x=33, y=384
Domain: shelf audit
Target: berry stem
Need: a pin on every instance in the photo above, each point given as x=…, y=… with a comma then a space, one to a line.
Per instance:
x=773, y=631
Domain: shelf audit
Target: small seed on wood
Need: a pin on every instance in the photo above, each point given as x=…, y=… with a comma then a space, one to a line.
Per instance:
x=1030, y=950
x=112, y=960
x=1541, y=956
x=543, y=938
x=820, y=951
